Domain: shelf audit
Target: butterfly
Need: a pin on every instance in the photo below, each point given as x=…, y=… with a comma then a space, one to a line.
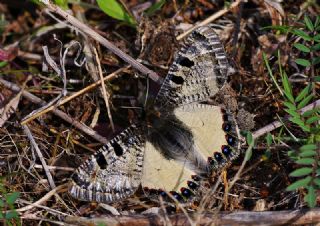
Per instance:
x=178, y=141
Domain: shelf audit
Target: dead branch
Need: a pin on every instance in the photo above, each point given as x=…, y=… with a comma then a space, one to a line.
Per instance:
x=87, y=130
x=93, y=34
x=271, y=218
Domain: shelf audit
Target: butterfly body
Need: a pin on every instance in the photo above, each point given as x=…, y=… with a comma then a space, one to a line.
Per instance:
x=177, y=138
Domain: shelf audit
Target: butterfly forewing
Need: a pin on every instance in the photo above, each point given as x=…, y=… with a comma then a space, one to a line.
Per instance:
x=114, y=172
x=198, y=71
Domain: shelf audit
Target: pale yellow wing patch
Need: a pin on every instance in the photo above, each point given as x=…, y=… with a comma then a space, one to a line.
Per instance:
x=205, y=123
x=161, y=173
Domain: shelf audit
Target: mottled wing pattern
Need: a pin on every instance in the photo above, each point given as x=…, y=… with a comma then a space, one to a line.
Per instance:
x=198, y=71
x=114, y=172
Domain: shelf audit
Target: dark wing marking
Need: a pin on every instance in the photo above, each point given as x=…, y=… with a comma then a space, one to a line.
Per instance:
x=198, y=71
x=114, y=172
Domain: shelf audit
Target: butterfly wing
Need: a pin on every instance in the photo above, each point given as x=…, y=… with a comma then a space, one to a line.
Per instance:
x=198, y=71
x=214, y=134
x=114, y=172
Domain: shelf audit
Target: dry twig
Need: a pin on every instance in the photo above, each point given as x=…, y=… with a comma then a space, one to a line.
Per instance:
x=87, y=130
x=245, y=218
x=93, y=34
x=37, y=149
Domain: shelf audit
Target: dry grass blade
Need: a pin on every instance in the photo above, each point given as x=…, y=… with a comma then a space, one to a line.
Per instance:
x=35, y=146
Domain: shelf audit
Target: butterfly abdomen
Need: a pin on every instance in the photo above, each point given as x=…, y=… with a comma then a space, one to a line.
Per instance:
x=174, y=140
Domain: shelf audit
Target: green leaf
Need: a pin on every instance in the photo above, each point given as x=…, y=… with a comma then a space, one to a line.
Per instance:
x=317, y=78
x=287, y=87
x=308, y=153
x=311, y=198
x=264, y=56
x=301, y=34
x=303, y=93
x=310, y=112
x=308, y=23
x=248, y=154
x=293, y=113
x=1, y=204
x=290, y=106
x=3, y=64
x=300, y=123
x=281, y=28
x=305, y=161
x=249, y=138
x=11, y=214
x=301, y=172
x=302, y=47
x=155, y=7
x=269, y=139
x=317, y=38
x=316, y=47
x=312, y=119
x=115, y=10
x=62, y=3
x=317, y=22
x=11, y=198
x=317, y=181
x=305, y=128
x=315, y=60
x=308, y=147
x=299, y=183
x=292, y=154
x=303, y=62
x=305, y=101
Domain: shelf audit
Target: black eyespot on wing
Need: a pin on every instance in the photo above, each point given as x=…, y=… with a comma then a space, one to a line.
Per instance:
x=230, y=140
x=218, y=156
x=226, y=150
x=101, y=160
x=185, y=192
x=226, y=127
x=117, y=149
x=176, y=195
x=184, y=61
x=163, y=193
x=192, y=185
x=177, y=79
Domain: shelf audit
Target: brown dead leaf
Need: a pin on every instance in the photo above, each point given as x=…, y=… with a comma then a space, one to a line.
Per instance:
x=9, y=108
x=275, y=10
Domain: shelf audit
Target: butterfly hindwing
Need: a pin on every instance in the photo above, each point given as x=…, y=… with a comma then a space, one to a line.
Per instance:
x=214, y=130
x=198, y=71
x=174, y=153
x=114, y=172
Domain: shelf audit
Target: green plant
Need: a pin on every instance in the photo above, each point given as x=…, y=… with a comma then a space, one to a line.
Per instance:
x=307, y=156
x=8, y=214
x=114, y=9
